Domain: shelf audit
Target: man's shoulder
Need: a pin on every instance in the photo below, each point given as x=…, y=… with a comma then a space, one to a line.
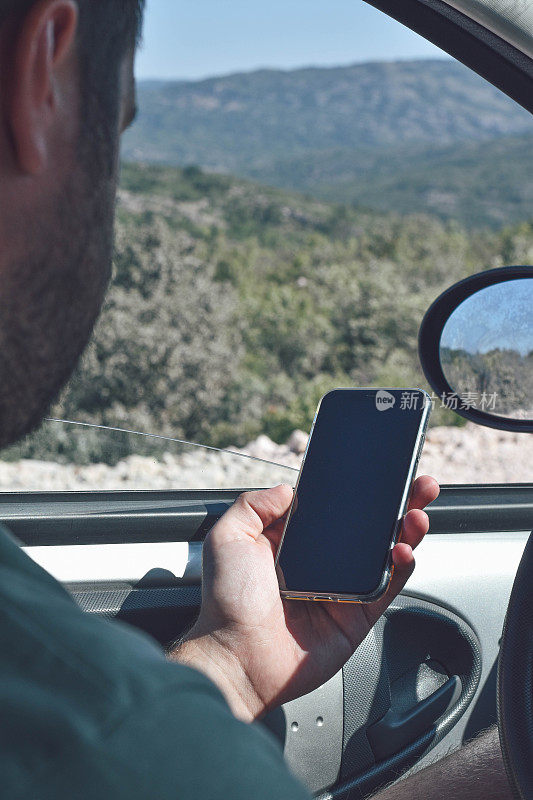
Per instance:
x=70, y=680
x=95, y=706
x=76, y=669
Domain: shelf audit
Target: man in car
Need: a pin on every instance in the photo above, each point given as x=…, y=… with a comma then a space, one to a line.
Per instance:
x=92, y=709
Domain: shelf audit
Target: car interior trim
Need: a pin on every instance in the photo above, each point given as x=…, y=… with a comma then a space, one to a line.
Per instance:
x=154, y=563
x=53, y=519
x=180, y=563
x=512, y=22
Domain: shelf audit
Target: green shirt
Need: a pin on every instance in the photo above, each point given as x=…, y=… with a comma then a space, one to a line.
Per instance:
x=92, y=709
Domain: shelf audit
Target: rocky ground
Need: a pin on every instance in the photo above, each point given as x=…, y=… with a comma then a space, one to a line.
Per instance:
x=453, y=455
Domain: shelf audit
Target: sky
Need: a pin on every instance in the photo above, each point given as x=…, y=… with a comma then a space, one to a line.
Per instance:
x=192, y=39
x=496, y=316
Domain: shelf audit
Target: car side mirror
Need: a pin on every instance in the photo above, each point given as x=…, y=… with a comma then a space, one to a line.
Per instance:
x=476, y=348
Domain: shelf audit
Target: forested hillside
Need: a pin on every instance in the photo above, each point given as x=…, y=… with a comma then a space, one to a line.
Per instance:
x=427, y=136
x=481, y=184
x=234, y=307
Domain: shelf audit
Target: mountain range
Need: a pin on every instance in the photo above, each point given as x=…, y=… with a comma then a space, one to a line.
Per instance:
x=404, y=136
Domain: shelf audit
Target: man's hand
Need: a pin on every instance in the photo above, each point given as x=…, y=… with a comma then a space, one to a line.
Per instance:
x=261, y=650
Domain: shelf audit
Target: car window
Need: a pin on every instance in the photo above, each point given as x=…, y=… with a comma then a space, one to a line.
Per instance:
x=71, y=457
x=281, y=232
x=472, y=454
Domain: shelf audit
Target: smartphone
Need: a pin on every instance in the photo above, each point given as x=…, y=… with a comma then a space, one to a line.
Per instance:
x=351, y=494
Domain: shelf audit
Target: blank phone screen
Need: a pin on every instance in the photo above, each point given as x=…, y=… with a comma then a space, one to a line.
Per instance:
x=350, y=491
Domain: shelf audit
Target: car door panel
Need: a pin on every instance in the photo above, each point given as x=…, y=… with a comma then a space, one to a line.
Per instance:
x=423, y=680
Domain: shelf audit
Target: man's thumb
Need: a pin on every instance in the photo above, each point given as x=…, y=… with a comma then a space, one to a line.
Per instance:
x=252, y=512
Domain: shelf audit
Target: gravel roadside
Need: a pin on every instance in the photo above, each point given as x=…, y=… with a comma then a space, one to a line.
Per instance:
x=471, y=454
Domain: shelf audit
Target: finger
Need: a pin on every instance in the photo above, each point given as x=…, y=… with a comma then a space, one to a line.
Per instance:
x=403, y=560
x=274, y=533
x=425, y=491
x=252, y=512
x=414, y=528
x=404, y=564
x=281, y=577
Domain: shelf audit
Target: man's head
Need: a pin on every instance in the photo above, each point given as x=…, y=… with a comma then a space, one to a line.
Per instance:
x=66, y=94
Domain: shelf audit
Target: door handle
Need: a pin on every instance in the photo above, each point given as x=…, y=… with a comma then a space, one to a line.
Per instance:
x=400, y=728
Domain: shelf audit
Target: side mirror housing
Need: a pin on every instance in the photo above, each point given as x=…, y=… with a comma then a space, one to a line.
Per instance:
x=476, y=348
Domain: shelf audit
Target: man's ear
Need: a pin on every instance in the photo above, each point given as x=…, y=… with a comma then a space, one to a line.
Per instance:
x=45, y=41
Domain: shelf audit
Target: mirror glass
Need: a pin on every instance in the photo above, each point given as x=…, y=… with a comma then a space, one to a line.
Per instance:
x=486, y=350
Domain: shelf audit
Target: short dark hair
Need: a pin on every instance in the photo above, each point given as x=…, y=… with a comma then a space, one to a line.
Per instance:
x=100, y=20
x=107, y=30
